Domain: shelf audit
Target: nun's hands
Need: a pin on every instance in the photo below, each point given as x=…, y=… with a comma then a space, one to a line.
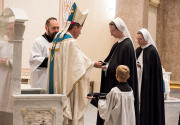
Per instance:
x=139, y=65
x=104, y=67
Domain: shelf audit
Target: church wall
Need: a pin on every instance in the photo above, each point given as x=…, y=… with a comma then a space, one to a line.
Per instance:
x=38, y=12
x=95, y=40
x=168, y=37
x=135, y=15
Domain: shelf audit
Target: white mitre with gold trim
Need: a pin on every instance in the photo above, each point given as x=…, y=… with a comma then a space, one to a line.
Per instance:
x=75, y=16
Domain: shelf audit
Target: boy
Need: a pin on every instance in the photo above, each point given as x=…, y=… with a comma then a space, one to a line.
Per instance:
x=118, y=107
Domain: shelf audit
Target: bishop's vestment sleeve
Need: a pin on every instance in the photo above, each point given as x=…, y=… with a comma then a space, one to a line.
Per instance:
x=106, y=106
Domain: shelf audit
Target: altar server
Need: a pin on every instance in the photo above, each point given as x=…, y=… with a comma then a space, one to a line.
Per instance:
x=39, y=53
x=118, y=107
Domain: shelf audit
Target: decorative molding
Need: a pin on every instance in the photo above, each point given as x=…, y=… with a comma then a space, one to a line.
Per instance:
x=154, y=3
x=39, y=116
x=53, y=109
x=64, y=99
x=23, y=110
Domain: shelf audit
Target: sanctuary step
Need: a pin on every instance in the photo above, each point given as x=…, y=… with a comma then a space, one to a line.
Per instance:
x=26, y=89
x=33, y=91
x=174, y=85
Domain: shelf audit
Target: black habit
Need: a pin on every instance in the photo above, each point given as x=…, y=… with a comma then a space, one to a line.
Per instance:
x=152, y=96
x=122, y=53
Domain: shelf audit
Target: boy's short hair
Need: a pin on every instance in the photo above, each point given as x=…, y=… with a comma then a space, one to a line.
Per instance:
x=122, y=72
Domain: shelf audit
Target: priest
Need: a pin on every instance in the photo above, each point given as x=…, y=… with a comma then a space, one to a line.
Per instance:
x=122, y=53
x=69, y=69
x=39, y=53
x=150, y=80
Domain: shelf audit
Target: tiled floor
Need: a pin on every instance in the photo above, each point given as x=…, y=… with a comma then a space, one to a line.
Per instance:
x=90, y=115
x=172, y=110
x=172, y=113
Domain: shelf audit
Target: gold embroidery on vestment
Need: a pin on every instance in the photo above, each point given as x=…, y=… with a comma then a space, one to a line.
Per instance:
x=74, y=14
x=78, y=81
x=72, y=11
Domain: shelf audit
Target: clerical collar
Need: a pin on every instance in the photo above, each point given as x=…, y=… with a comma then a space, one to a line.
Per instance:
x=48, y=38
x=145, y=46
x=120, y=40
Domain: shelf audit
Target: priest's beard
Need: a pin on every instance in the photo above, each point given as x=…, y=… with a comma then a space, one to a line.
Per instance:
x=52, y=35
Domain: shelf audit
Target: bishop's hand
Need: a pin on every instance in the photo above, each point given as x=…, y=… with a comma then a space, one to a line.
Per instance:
x=89, y=97
x=98, y=64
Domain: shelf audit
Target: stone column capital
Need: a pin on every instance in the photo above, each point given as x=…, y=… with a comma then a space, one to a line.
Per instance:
x=154, y=3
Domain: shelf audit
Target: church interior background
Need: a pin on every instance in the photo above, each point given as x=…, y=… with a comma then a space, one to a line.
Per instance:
x=160, y=17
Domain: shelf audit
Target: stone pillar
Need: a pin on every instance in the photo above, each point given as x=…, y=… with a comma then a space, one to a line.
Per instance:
x=168, y=29
x=19, y=17
x=152, y=18
x=135, y=15
x=160, y=28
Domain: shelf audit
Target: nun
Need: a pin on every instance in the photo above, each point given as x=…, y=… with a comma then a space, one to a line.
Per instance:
x=121, y=53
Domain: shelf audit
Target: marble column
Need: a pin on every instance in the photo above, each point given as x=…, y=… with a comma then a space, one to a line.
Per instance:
x=19, y=29
x=168, y=29
x=135, y=15
x=152, y=18
x=160, y=28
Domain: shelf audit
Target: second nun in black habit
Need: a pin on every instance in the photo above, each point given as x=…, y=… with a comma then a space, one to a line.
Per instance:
x=121, y=53
x=150, y=80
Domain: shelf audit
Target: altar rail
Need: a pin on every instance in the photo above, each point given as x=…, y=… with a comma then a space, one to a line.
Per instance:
x=174, y=85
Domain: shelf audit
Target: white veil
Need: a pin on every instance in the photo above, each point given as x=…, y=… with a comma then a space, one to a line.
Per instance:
x=122, y=27
x=147, y=37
